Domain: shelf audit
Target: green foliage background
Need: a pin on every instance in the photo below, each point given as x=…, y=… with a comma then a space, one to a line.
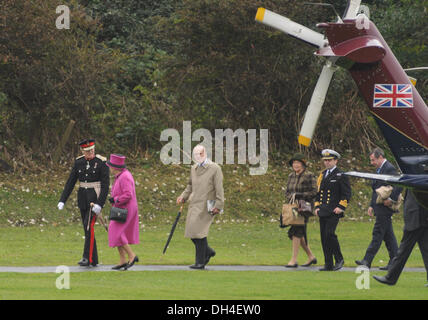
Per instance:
x=128, y=69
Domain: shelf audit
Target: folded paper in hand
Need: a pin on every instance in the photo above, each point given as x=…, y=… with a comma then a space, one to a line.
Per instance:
x=383, y=193
x=211, y=206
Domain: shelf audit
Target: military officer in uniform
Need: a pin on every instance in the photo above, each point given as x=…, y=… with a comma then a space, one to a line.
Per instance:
x=94, y=180
x=334, y=193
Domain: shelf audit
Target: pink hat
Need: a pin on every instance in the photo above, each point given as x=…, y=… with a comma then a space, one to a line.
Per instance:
x=116, y=161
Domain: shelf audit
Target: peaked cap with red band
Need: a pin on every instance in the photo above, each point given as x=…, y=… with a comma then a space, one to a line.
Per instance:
x=87, y=144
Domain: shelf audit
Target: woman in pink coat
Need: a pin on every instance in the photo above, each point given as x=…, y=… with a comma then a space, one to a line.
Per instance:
x=123, y=195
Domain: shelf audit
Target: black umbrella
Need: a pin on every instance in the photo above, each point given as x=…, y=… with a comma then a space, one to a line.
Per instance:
x=173, y=229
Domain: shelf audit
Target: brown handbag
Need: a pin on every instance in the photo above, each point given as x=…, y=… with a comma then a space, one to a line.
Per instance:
x=290, y=214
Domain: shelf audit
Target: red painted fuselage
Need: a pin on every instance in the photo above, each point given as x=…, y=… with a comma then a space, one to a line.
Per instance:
x=370, y=61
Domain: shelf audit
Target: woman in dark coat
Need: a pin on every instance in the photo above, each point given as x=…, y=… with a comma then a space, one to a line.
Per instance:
x=302, y=184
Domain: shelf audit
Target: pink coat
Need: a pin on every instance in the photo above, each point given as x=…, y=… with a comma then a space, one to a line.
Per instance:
x=123, y=192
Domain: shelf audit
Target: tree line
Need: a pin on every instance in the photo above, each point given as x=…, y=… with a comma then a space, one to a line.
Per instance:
x=128, y=69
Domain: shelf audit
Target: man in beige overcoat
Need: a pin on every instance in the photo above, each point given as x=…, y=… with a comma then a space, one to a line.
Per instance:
x=206, y=199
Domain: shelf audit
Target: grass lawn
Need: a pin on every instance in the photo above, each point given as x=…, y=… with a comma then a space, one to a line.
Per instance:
x=208, y=285
x=34, y=233
x=235, y=243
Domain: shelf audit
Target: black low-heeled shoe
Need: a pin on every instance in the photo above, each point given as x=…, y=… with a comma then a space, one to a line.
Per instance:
x=291, y=265
x=130, y=264
x=120, y=266
x=313, y=261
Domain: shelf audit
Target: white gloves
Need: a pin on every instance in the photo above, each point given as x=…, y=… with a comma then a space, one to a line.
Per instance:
x=96, y=209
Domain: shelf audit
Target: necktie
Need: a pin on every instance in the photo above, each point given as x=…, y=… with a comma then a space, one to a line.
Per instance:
x=377, y=170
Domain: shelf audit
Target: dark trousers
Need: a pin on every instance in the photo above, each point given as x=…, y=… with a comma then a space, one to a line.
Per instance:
x=382, y=231
x=410, y=238
x=90, y=247
x=329, y=241
x=203, y=250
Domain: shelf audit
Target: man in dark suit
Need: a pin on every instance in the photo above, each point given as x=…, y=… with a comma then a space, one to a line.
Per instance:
x=382, y=230
x=415, y=230
x=334, y=193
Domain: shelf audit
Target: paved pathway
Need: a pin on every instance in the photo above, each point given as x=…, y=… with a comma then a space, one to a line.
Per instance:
x=53, y=269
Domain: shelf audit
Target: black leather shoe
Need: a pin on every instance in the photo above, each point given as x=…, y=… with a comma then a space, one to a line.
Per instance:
x=120, y=266
x=197, y=266
x=210, y=255
x=291, y=265
x=84, y=263
x=313, y=261
x=130, y=264
x=339, y=265
x=363, y=263
x=326, y=268
x=384, y=280
x=87, y=264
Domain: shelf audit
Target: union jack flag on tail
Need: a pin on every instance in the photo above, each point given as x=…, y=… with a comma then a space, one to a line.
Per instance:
x=393, y=96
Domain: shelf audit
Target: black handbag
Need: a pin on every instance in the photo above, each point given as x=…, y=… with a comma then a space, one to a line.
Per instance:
x=305, y=208
x=118, y=214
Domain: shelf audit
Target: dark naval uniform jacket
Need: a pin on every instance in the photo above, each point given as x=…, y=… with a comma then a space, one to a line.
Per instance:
x=85, y=171
x=333, y=191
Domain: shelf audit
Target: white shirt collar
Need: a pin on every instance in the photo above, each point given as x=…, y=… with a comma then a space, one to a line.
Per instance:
x=331, y=170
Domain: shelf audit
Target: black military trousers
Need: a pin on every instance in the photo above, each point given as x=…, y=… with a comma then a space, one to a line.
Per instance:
x=202, y=250
x=382, y=231
x=90, y=247
x=410, y=238
x=329, y=241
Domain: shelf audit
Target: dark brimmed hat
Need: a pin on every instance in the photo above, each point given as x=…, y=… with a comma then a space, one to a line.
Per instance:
x=87, y=144
x=297, y=157
x=117, y=161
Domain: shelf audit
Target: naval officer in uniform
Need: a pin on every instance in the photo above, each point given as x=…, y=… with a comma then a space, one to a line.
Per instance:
x=94, y=180
x=334, y=193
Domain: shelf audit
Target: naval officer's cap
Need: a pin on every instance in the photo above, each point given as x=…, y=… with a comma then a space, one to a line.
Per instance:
x=328, y=154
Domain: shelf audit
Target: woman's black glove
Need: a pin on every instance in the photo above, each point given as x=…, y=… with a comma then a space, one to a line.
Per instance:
x=111, y=200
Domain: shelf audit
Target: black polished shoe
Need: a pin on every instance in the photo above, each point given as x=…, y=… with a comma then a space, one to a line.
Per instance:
x=326, y=268
x=384, y=280
x=291, y=265
x=197, y=266
x=313, y=261
x=83, y=262
x=210, y=255
x=130, y=264
x=363, y=263
x=87, y=264
x=339, y=265
x=120, y=266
